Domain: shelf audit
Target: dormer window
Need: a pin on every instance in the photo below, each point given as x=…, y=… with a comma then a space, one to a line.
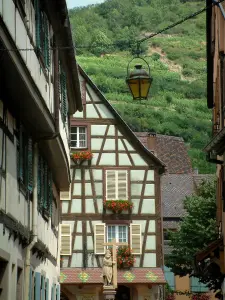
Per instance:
x=78, y=137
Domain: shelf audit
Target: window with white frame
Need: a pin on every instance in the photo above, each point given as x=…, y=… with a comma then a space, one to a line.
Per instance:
x=78, y=137
x=117, y=232
x=116, y=185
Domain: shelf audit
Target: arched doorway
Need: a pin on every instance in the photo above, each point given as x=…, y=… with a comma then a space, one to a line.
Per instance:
x=122, y=293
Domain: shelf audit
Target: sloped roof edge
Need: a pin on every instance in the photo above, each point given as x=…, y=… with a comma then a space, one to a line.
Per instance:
x=122, y=122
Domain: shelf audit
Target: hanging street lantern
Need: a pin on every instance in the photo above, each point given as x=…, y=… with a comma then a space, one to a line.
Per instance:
x=139, y=81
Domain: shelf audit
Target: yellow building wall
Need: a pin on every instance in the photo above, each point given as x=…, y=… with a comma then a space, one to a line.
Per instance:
x=182, y=284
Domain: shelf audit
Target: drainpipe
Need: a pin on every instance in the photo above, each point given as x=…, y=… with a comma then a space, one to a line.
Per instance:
x=34, y=225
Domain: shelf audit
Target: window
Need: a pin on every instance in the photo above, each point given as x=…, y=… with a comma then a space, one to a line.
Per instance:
x=197, y=286
x=116, y=185
x=78, y=137
x=118, y=232
x=45, y=195
x=104, y=233
x=42, y=34
x=24, y=159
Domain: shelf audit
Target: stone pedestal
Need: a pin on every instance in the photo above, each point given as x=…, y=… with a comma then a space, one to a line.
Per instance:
x=109, y=292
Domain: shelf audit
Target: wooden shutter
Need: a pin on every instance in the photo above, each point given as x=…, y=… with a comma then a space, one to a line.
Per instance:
x=30, y=165
x=169, y=277
x=42, y=287
x=30, y=285
x=65, y=195
x=37, y=23
x=37, y=286
x=46, y=42
x=53, y=292
x=50, y=193
x=65, y=239
x=99, y=238
x=64, y=106
x=135, y=237
x=47, y=289
x=122, y=185
x=58, y=292
x=110, y=185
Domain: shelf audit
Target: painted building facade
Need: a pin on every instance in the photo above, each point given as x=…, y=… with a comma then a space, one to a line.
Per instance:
x=39, y=88
x=121, y=169
x=210, y=262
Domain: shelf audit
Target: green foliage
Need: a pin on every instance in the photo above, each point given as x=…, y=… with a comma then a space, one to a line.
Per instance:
x=177, y=102
x=197, y=229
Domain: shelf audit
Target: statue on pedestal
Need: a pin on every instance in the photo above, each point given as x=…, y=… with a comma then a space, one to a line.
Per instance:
x=107, y=271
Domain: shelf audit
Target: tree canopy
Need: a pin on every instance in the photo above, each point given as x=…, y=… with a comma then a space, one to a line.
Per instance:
x=197, y=229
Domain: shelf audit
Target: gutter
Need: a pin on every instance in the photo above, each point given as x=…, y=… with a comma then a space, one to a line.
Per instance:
x=34, y=227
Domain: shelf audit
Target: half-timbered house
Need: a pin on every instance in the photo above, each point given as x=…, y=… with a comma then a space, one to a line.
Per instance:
x=121, y=170
x=39, y=89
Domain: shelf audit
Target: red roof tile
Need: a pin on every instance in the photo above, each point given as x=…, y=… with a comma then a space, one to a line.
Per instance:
x=93, y=275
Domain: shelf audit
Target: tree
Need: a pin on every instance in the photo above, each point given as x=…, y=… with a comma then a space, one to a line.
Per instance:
x=197, y=229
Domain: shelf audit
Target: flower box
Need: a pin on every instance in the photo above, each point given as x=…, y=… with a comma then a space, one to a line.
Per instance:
x=117, y=206
x=125, y=257
x=81, y=156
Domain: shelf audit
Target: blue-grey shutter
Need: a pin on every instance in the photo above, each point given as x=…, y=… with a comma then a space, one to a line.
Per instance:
x=170, y=278
x=52, y=293
x=46, y=42
x=38, y=23
x=39, y=183
x=21, y=150
x=30, y=165
x=47, y=289
x=30, y=285
x=58, y=292
x=64, y=106
x=50, y=194
x=42, y=287
x=197, y=286
x=37, y=286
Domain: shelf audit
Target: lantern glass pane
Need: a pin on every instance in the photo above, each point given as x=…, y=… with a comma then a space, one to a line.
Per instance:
x=145, y=85
x=134, y=87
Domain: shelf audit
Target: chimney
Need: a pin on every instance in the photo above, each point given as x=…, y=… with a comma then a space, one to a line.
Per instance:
x=152, y=142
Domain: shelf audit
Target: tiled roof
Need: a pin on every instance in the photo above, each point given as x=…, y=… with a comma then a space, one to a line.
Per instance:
x=171, y=150
x=94, y=275
x=174, y=189
x=170, y=224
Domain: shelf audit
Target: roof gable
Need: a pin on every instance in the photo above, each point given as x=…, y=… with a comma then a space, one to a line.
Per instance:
x=102, y=109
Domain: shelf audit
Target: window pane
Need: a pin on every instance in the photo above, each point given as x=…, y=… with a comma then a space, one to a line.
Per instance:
x=73, y=144
x=73, y=129
x=111, y=233
x=82, y=129
x=82, y=137
x=123, y=234
x=82, y=144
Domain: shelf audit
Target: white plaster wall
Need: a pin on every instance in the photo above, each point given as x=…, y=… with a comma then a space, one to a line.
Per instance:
x=17, y=30
x=98, y=129
x=16, y=252
x=12, y=201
